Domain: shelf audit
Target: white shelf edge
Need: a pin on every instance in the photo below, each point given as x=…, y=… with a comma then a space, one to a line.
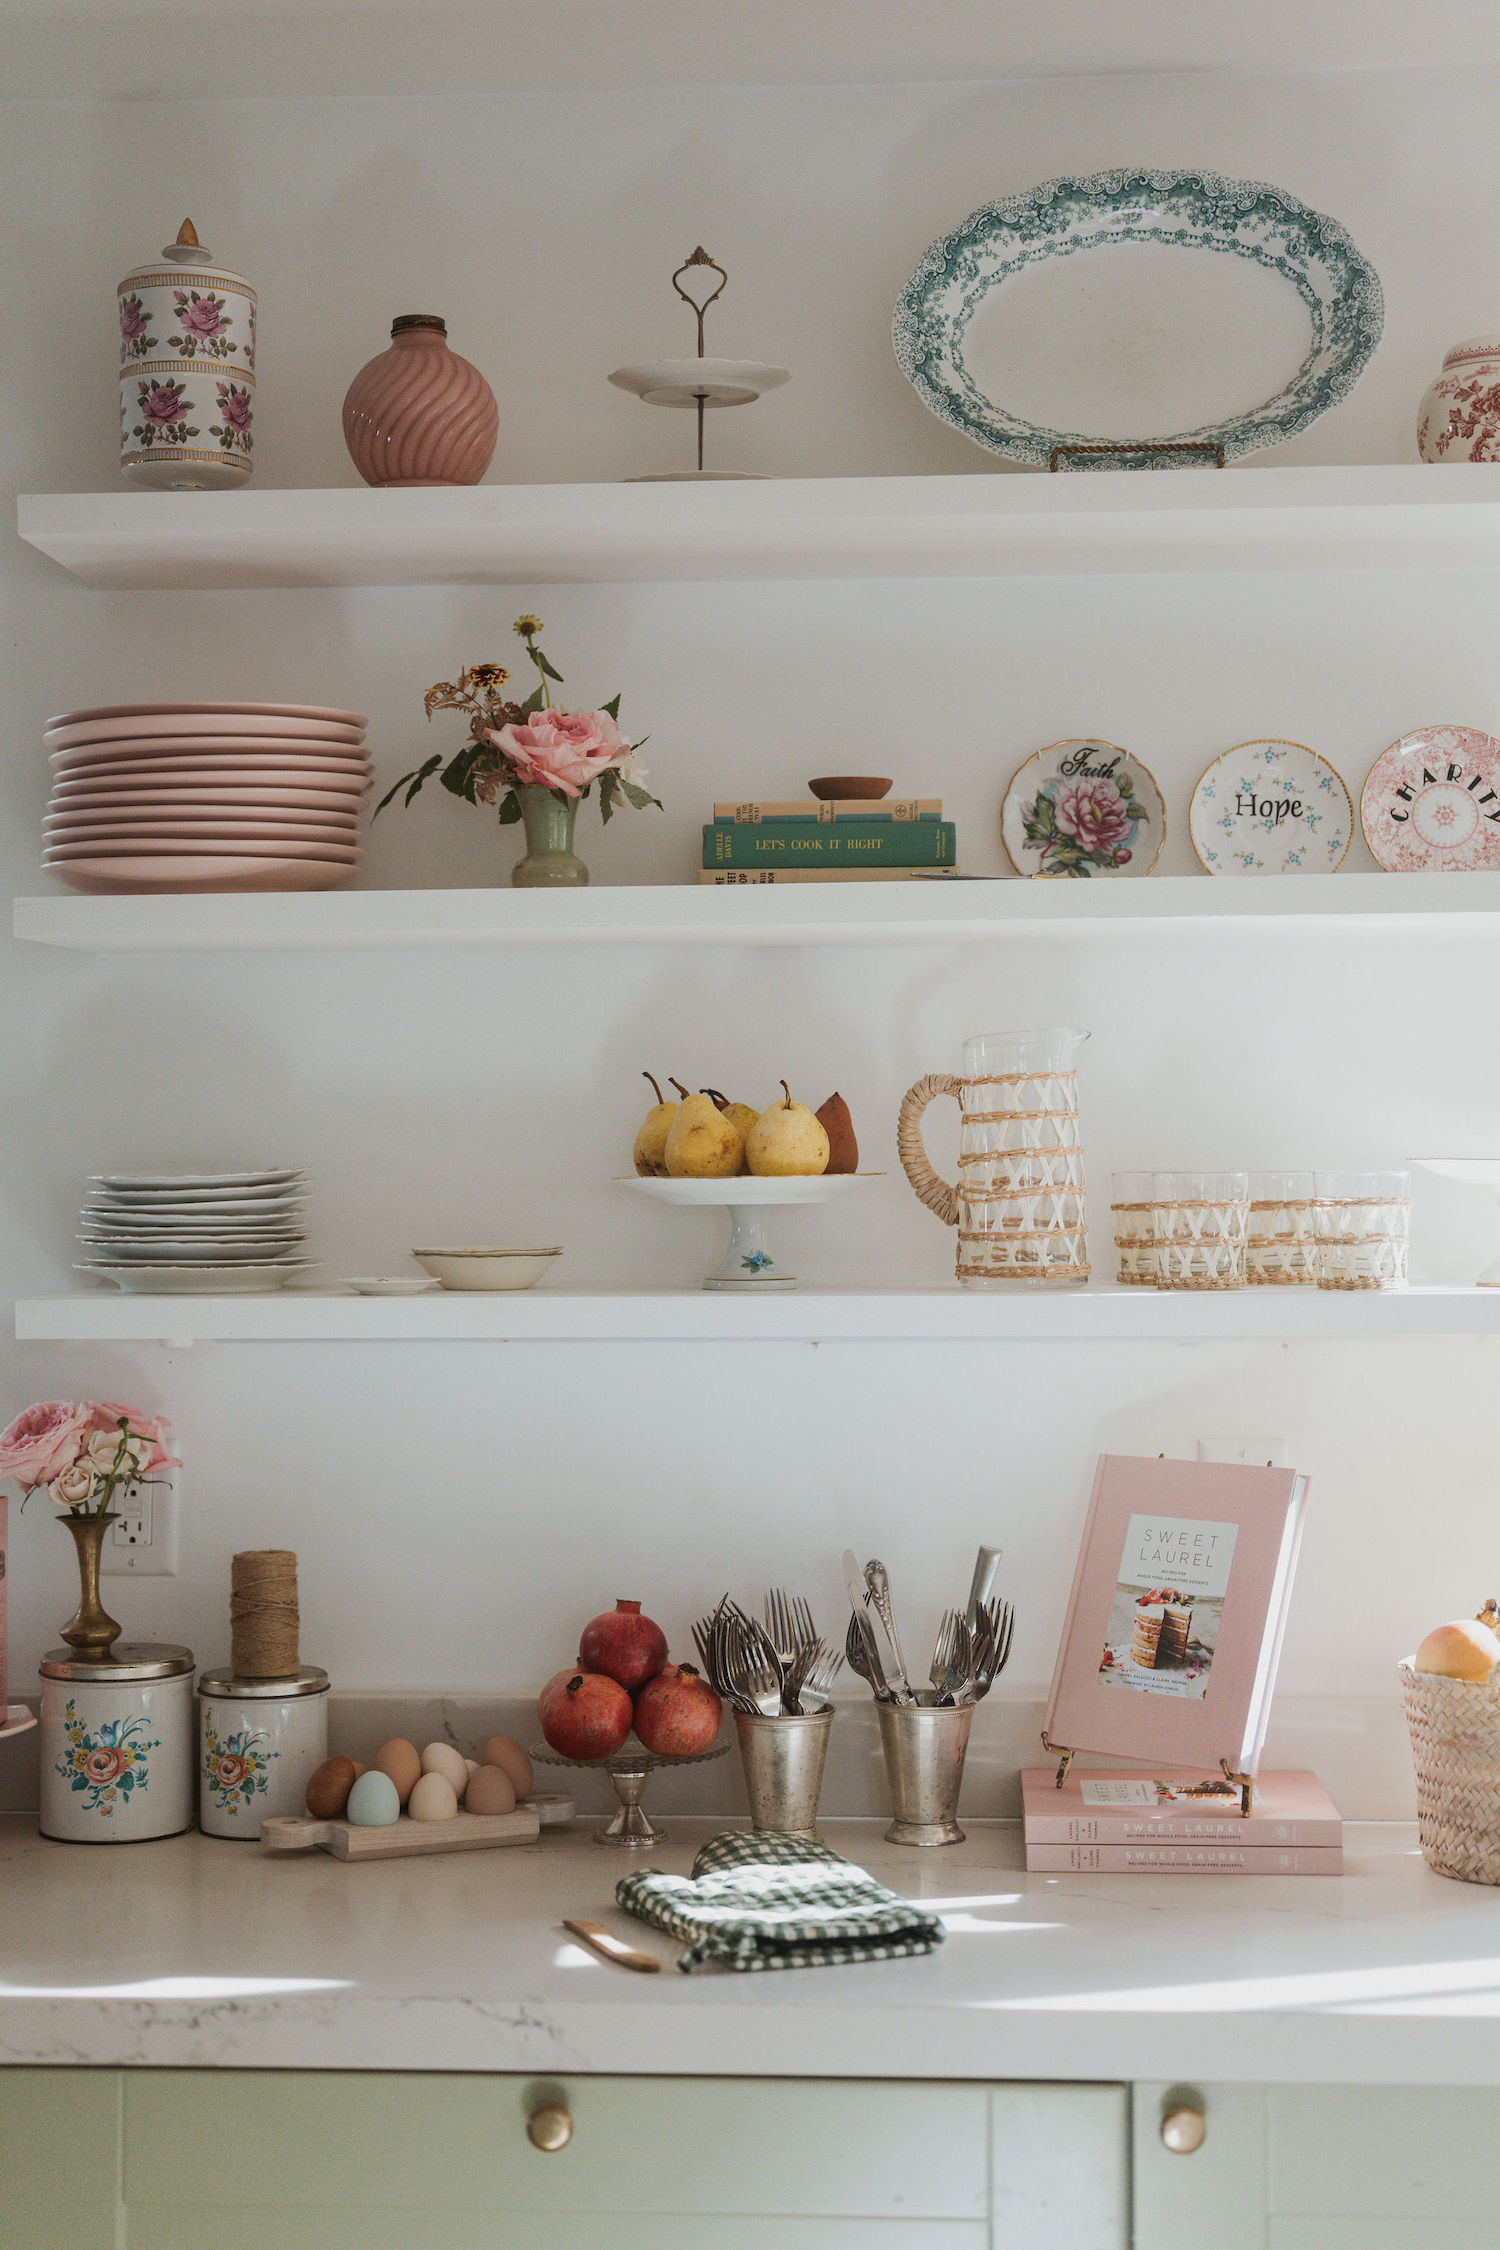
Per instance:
x=1102, y=1315
x=1401, y=515
x=794, y=914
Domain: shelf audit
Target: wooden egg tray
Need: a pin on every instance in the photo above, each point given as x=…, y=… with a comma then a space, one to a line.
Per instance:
x=408, y=1839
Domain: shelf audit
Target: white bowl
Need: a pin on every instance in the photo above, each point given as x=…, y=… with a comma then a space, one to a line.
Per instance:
x=486, y=1269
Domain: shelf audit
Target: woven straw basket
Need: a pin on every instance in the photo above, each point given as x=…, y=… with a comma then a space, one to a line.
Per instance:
x=1455, y=1746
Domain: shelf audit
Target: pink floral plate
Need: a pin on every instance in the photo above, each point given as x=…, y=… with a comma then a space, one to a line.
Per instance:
x=117, y=878
x=1431, y=803
x=201, y=726
x=178, y=710
x=1083, y=808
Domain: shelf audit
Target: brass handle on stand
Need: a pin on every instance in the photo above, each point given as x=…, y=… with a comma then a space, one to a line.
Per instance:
x=549, y=2128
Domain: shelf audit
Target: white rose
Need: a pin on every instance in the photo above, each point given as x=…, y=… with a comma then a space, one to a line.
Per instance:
x=106, y=1446
x=74, y=1486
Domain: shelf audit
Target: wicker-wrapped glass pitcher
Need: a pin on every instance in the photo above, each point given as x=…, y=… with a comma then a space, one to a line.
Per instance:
x=1019, y=1205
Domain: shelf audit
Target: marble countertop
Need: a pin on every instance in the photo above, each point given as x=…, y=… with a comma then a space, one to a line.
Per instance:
x=199, y=1953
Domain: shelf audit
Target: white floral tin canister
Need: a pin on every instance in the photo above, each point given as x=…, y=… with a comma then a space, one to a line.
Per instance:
x=259, y=1744
x=117, y=1744
x=187, y=371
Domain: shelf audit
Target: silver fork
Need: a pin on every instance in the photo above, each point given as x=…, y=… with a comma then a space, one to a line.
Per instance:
x=802, y=1619
x=822, y=1671
x=755, y=1671
x=799, y=1676
x=785, y=1639
x=952, y=1658
x=997, y=1625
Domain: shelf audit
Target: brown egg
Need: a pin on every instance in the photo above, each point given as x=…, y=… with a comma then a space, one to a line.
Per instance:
x=511, y=1759
x=328, y=1790
x=399, y=1761
x=489, y=1791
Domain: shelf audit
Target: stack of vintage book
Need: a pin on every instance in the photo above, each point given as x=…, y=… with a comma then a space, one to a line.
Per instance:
x=829, y=840
x=1182, y=1822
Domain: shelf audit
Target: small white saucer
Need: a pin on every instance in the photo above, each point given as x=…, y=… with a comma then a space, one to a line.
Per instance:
x=380, y=1285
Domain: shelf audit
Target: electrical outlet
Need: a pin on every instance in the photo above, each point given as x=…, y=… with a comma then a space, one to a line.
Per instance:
x=142, y=1542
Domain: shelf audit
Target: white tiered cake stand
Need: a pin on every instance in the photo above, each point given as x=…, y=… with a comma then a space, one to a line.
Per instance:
x=748, y=1262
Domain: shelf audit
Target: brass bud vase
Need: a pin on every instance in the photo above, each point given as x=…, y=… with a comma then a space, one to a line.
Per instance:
x=90, y=1632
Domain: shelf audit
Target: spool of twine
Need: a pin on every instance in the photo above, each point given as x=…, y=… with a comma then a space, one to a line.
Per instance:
x=263, y=1614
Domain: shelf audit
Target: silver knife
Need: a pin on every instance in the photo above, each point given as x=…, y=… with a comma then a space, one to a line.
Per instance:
x=863, y=1607
x=986, y=1564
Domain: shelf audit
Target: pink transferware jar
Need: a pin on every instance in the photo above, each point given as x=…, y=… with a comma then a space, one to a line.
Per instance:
x=1459, y=417
x=418, y=414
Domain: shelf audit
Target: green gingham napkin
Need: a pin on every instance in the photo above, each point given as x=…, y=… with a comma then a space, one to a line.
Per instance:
x=766, y=1901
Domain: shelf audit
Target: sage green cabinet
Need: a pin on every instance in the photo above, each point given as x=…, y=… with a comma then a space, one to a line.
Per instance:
x=241, y=2160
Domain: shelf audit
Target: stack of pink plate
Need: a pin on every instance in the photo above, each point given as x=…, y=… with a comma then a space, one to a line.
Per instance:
x=205, y=797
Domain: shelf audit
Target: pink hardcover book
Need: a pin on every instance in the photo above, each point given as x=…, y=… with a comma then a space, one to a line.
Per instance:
x=1179, y=1806
x=1182, y=1859
x=1175, y=1621
x=4, y=1597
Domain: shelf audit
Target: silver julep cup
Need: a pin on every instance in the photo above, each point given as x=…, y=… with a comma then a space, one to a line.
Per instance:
x=924, y=1750
x=783, y=1760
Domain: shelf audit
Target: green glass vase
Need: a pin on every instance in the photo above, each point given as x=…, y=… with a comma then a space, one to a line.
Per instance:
x=550, y=861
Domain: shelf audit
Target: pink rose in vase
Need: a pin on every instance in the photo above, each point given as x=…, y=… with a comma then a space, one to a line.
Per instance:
x=43, y=1441
x=562, y=750
x=1093, y=813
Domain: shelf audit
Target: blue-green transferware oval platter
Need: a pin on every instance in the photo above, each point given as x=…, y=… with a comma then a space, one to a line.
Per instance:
x=1339, y=289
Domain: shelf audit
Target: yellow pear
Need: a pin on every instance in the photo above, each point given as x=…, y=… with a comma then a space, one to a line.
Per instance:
x=740, y=1115
x=787, y=1142
x=702, y=1144
x=650, y=1151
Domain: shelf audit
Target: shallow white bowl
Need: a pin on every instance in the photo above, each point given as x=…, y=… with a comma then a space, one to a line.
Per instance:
x=486, y=1269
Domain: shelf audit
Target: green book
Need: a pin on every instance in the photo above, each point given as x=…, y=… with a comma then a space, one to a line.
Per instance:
x=843, y=843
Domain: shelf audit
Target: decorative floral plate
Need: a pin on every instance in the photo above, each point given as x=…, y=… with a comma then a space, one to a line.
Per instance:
x=1271, y=808
x=1188, y=210
x=1083, y=808
x=1432, y=802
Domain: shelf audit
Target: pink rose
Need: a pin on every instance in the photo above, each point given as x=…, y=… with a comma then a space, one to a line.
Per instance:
x=1093, y=813
x=201, y=317
x=104, y=1766
x=43, y=1441
x=106, y=1414
x=230, y=1770
x=161, y=402
x=234, y=405
x=132, y=319
x=561, y=749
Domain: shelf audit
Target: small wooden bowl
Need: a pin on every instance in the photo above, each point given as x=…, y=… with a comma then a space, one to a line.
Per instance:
x=833, y=785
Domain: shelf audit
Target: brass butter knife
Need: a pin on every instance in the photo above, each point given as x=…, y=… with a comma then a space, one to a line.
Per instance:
x=613, y=1949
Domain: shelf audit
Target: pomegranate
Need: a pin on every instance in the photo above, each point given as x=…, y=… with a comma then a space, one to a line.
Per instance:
x=677, y=1714
x=583, y=1714
x=624, y=1646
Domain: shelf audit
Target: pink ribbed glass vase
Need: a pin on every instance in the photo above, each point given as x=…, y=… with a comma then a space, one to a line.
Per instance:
x=419, y=414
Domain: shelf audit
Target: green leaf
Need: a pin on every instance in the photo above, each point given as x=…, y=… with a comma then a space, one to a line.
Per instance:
x=1138, y=812
x=609, y=784
x=1044, y=813
x=533, y=702
x=458, y=775
x=542, y=665
x=510, y=809
x=612, y=708
x=415, y=776
x=638, y=796
x=1125, y=785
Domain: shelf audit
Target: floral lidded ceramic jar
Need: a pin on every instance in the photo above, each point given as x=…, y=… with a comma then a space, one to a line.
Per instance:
x=117, y=1744
x=187, y=371
x=1459, y=417
x=259, y=1744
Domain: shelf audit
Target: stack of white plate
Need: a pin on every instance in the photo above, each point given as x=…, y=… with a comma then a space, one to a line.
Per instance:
x=195, y=1233
x=205, y=797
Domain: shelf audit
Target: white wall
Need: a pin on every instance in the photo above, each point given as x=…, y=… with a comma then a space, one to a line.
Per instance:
x=459, y=1510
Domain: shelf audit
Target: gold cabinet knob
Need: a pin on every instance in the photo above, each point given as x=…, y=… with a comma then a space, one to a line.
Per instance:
x=551, y=2127
x=1183, y=2129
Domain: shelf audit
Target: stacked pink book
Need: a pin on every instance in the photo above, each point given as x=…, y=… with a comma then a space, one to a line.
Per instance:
x=1179, y=1820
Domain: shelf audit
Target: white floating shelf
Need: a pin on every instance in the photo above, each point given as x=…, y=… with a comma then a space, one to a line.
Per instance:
x=761, y=914
x=695, y=1315
x=1411, y=516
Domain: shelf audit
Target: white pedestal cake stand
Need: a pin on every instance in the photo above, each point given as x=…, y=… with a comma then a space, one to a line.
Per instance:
x=749, y=1263
x=1474, y=1171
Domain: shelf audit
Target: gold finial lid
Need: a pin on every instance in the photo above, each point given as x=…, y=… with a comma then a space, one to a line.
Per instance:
x=187, y=232
x=187, y=250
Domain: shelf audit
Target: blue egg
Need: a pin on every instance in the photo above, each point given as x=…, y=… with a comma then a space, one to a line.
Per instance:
x=373, y=1802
